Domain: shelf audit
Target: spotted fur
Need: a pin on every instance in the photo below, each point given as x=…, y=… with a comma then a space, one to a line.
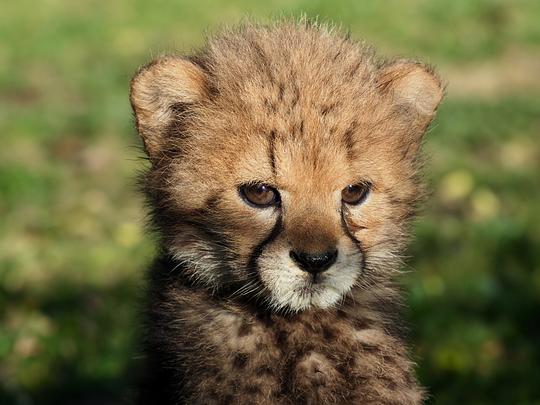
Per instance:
x=231, y=318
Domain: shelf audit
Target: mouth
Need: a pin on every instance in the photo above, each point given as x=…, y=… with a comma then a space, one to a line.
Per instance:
x=311, y=285
x=293, y=289
x=314, y=285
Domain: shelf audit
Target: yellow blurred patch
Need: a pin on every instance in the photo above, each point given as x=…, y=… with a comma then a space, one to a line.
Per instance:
x=518, y=153
x=456, y=186
x=128, y=234
x=485, y=204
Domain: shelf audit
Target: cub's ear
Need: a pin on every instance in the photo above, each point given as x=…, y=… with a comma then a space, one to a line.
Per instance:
x=414, y=91
x=157, y=90
x=413, y=86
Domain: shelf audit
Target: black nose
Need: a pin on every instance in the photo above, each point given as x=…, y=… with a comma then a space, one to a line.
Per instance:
x=314, y=263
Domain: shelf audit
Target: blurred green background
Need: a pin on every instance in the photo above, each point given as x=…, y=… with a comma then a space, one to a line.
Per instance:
x=72, y=247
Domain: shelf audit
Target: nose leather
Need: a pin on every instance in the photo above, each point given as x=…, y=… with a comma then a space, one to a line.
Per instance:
x=314, y=263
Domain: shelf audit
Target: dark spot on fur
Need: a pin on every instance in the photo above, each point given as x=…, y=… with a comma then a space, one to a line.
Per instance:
x=281, y=337
x=240, y=360
x=296, y=95
x=265, y=318
x=347, y=364
x=288, y=373
x=328, y=108
x=329, y=333
x=281, y=91
x=349, y=139
x=264, y=371
x=271, y=151
x=324, y=110
x=367, y=348
x=179, y=108
x=210, y=203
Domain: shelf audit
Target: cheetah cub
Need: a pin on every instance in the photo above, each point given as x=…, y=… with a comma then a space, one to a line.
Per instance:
x=283, y=176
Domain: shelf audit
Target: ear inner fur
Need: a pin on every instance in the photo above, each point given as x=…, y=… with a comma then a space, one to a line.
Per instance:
x=414, y=93
x=413, y=84
x=156, y=92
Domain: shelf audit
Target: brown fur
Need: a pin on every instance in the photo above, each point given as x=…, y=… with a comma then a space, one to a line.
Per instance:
x=231, y=319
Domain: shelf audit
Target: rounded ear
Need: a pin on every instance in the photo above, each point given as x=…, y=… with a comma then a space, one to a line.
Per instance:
x=413, y=85
x=157, y=90
x=414, y=92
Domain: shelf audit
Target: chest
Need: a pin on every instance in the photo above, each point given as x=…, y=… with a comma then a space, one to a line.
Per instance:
x=304, y=350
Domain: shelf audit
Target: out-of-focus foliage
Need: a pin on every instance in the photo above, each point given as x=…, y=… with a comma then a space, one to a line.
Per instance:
x=72, y=245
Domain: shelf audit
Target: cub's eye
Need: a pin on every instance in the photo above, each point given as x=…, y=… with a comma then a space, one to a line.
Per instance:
x=259, y=195
x=355, y=194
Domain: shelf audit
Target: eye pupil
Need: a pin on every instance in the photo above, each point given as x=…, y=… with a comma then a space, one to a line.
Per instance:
x=355, y=193
x=259, y=195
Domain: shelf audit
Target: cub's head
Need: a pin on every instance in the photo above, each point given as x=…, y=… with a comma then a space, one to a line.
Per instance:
x=283, y=162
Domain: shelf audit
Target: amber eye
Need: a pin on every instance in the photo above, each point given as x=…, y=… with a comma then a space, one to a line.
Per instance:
x=355, y=193
x=259, y=195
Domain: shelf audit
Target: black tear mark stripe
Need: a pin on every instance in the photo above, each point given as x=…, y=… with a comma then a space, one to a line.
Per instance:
x=347, y=232
x=257, y=251
x=272, y=152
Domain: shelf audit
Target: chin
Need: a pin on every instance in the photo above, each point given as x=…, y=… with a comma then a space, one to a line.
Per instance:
x=292, y=290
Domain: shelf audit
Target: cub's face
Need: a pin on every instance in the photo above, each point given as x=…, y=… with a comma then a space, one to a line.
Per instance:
x=278, y=185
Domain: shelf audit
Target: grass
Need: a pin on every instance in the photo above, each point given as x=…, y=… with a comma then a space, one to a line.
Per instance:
x=72, y=247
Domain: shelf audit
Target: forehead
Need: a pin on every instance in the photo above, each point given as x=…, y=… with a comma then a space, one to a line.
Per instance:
x=316, y=160
x=290, y=151
x=290, y=134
